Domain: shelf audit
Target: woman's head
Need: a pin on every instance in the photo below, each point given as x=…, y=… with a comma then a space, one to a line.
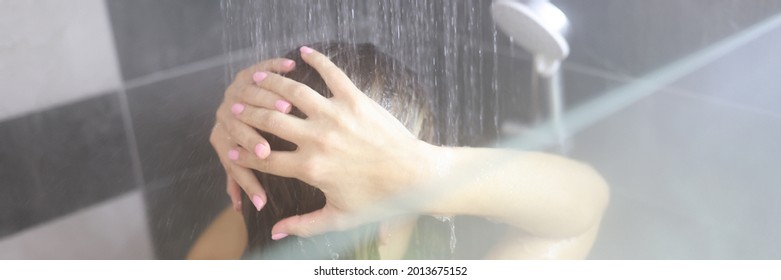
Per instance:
x=380, y=77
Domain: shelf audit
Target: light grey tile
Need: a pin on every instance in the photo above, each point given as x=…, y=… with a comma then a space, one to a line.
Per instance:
x=53, y=53
x=115, y=229
x=634, y=229
x=710, y=162
x=637, y=229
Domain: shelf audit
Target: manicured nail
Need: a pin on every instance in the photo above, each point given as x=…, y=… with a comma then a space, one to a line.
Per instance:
x=237, y=108
x=278, y=236
x=233, y=154
x=306, y=50
x=288, y=63
x=259, y=76
x=237, y=206
x=261, y=150
x=258, y=202
x=283, y=106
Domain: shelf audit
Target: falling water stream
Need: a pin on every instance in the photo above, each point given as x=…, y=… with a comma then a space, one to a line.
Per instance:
x=454, y=46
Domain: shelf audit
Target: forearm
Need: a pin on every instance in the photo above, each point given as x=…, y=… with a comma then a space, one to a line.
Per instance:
x=541, y=194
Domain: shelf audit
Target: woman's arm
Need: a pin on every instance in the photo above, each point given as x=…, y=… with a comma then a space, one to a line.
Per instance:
x=553, y=204
x=541, y=194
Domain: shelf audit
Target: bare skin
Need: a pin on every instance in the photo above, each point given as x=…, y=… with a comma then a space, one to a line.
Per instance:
x=224, y=239
x=553, y=204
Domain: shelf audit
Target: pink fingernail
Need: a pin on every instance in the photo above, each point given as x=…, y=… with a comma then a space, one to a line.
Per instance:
x=278, y=236
x=237, y=206
x=306, y=50
x=283, y=106
x=258, y=202
x=237, y=108
x=261, y=150
x=259, y=76
x=233, y=154
x=288, y=63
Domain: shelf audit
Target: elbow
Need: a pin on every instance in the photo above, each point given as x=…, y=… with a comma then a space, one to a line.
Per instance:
x=584, y=198
x=589, y=202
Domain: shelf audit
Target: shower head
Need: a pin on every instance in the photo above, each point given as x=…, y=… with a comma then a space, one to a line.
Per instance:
x=536, y=25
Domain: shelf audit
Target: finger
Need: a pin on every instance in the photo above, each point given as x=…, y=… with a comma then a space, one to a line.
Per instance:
x=288, y=127
x=258, y=97
x=279, y=163
x=278, y=65
x=234, y=192
x=334, y=77
x=246, y=136
x=307, y=225
x=247, y=181
x=243, y=176
x=306, y=99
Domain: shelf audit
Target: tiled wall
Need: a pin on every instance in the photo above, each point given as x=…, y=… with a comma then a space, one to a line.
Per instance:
x=108, y=106
x=57, y=158
x=64, y=143
x=54, y=53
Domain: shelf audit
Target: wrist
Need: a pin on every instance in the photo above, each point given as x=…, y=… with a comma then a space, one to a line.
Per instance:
x=431, y=164
x=433, y=177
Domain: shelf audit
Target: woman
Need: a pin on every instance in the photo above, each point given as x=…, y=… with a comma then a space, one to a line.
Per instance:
x=359, y=155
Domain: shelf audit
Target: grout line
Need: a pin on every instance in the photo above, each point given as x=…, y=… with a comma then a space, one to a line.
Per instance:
x=127, y=122
x=720, y=100
x=591, y=71
x=132, y=143
x=188, y=68
x=227, y=57
x=124, y=108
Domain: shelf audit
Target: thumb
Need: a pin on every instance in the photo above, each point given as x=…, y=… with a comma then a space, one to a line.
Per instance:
x=306, y=225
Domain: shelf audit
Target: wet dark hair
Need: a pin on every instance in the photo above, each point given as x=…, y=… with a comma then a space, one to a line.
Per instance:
x=398, y=90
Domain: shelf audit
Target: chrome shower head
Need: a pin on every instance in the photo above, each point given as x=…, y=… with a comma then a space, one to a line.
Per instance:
x=536, y=25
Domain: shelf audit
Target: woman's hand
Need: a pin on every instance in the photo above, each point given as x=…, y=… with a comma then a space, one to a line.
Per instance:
x=228, y=132
x=358, y=154
x=349, y=147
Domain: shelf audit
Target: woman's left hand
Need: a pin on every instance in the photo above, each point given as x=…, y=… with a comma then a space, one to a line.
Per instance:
x=349, y=147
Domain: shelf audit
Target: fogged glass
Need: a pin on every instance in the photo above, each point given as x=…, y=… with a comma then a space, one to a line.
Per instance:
x=676, y=104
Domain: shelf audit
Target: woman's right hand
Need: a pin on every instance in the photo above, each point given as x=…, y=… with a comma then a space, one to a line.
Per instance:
x=244, y=91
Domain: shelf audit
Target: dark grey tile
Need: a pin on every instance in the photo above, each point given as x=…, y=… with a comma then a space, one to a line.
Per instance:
x=513, y=85
x=181, y=206
x=172, y=120
x=61, y=160
x=710, y=162
x=636, y=37
x=18, y=176
x=155, y=35
x=478, y=90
